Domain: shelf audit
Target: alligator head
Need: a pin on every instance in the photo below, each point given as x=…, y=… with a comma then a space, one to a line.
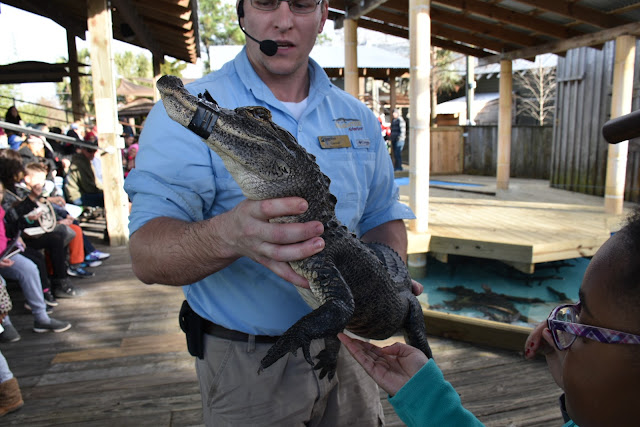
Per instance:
x=263, y=158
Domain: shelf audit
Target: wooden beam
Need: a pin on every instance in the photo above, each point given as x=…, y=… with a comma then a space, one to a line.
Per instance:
x=420, y=112
x=511, y=17
x=459, y=48
x=592, y=39
x=621, y=103
x=572, y=10
x=504, y=125
x=451, y=34
x=351, y=57
x=481, y=27
x=116, y=202
x=77, y=107
x=129, y=14
x=362, y=8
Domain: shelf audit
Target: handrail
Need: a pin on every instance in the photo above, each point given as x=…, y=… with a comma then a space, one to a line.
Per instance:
x=622, y=128
x=56, y=136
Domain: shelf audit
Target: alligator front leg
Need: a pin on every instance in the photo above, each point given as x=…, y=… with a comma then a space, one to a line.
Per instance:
x=325, y=321
x=328, y=358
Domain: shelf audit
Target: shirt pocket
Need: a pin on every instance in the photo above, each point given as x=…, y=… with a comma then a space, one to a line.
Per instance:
x=351, y=173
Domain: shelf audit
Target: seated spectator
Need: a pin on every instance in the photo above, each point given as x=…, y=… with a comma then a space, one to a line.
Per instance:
x=81, y=186
x=18, y=203
x=33, y=150
x=35, y=177
x=10, y=396
x=25, y=272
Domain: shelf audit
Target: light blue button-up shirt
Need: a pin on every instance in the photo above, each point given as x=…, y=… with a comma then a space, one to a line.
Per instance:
x=178, y=176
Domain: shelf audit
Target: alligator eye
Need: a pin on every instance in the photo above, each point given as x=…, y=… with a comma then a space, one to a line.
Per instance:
x=281, y=168
x=261, y=113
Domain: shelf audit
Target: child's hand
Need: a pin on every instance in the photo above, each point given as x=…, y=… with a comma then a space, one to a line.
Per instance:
x=390, y=367
x=540, y=340
x=6, y=263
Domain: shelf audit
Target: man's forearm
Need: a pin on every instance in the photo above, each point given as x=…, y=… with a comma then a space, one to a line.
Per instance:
x=174, y=252
x=392, y=233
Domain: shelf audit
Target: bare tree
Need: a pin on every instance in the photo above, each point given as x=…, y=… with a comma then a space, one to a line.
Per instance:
x=537, y=89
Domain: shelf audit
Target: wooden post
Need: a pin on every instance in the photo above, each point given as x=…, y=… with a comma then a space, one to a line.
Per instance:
x=351, y=57
x=419, y=112
x=504, y=125
x=76, y=97
x=156, y=76
x=393, y=99
x=116, y=204
x=621, y=100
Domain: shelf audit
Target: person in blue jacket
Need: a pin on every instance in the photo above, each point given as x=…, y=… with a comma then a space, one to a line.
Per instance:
x=592, y=349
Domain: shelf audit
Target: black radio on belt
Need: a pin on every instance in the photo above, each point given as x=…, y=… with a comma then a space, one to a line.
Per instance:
x=193, y=326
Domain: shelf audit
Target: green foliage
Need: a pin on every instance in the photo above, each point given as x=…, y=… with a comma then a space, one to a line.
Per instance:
x=130, y=66
x=173, y=68
x=218, y=26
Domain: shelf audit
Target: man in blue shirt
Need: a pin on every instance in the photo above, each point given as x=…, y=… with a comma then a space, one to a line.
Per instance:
x=192, y=227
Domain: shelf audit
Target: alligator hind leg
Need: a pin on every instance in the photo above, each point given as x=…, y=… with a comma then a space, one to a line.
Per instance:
x=325, y=321
x=415, y=329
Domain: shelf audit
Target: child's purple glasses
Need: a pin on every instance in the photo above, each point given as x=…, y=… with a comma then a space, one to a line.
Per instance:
x=564, y=328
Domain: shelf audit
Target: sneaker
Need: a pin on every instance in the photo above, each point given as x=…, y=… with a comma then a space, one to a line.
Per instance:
x=49, y=299
x=97, y=256
x=77, y=271
x=91, y=264
x=53, y=326
x=64, y=290
x=28, y=307
x=9, y=334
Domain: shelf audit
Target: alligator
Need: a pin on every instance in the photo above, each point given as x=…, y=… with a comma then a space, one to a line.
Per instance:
x=363, y=287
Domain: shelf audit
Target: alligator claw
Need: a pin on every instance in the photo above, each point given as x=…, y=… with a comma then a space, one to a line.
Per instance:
x=327, y=363
x=286, y=344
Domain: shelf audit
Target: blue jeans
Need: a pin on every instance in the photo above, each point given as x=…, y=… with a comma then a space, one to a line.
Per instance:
x=397, y=147
x=90, y=199
x=26, y=273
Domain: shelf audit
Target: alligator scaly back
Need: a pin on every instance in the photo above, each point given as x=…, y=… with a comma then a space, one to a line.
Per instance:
x=350, y=281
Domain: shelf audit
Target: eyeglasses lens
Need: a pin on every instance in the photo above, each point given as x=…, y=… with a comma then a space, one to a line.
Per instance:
x=570, y=315
x=300, y=7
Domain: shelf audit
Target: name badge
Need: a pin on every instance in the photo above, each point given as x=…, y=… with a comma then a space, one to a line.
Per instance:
x=334, y=141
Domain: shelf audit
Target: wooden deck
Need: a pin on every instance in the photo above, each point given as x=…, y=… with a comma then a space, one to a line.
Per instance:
x=528, y=224
x=125, y=363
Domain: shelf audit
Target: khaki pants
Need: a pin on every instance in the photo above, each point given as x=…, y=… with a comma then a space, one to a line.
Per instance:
x=288, y=393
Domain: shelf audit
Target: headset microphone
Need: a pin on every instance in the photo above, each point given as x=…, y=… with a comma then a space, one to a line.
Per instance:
x=268, y=47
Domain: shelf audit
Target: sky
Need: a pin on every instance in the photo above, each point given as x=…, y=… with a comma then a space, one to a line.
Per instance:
x=29, y=37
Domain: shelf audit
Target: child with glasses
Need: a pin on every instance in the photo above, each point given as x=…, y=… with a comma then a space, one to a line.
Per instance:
x=591, y=348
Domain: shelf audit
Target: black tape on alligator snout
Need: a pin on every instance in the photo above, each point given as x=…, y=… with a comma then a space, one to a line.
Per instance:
x=205, y=118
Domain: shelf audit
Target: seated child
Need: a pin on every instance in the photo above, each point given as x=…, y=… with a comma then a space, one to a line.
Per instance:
x=591, y=348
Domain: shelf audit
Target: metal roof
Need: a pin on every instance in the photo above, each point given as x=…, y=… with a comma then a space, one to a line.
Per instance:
x=372, y=61
x=495, y=29
x=164, y=27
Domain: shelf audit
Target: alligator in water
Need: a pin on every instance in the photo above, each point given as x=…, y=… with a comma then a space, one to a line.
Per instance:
x=363, y=287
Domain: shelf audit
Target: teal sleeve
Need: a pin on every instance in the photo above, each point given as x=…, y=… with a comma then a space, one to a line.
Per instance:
x=428, y=400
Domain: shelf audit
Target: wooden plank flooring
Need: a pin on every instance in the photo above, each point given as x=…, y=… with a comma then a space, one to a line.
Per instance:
x=125, y=363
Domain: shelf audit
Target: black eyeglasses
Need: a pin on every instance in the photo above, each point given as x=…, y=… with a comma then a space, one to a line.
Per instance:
x=564, y=327
x=299, y=7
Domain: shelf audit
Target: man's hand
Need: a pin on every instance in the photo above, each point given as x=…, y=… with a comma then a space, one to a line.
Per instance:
x=250, y=233
x=390, y=367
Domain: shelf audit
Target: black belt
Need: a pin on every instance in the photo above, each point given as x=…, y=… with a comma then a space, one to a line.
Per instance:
x=228, y=334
